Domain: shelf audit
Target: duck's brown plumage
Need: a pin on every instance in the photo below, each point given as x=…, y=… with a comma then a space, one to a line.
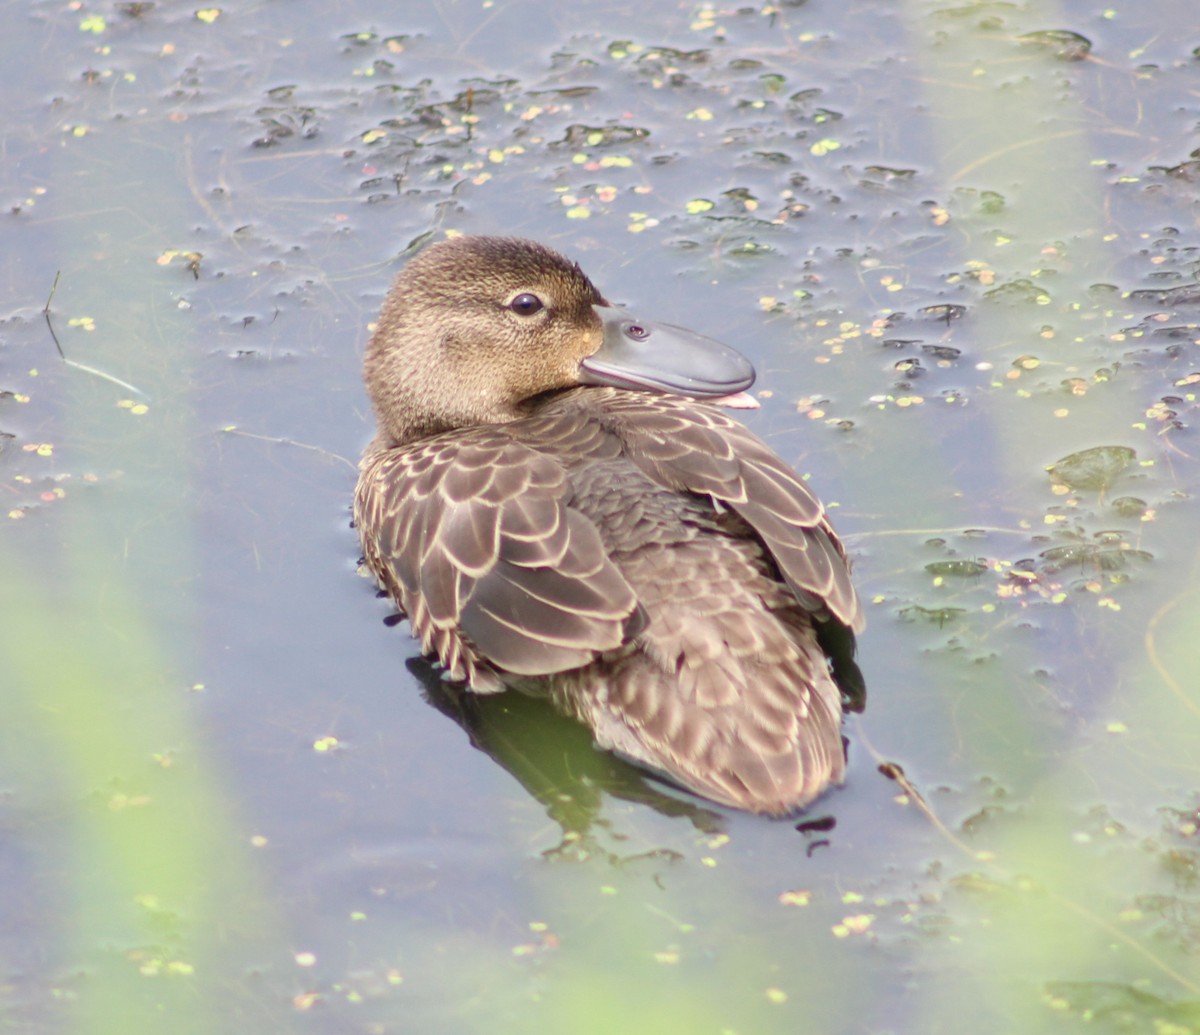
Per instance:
x=641, y=558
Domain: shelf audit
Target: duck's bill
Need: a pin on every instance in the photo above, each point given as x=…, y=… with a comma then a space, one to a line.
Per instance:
x=659, y=357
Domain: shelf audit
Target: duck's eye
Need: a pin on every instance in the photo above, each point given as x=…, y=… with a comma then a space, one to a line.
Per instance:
x=526, y=304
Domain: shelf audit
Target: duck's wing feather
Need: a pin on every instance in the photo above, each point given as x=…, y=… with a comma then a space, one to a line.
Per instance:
x=469, y=533
x=694, y=447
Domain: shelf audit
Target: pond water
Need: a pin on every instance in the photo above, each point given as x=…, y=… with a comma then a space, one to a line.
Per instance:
x=960, y=241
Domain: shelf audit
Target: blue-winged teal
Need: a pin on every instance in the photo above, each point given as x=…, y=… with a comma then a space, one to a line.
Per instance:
x=554, y=507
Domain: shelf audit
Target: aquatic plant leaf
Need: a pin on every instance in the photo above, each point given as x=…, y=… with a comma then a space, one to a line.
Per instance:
x=1096, y=468
x=1065, y=45
x=956, y=568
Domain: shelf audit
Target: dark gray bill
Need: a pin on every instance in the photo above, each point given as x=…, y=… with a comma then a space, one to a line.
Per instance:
x=663, y=358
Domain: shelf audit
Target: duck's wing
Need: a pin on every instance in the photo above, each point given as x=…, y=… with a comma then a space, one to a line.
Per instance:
x=687, y=445
x=470, y=535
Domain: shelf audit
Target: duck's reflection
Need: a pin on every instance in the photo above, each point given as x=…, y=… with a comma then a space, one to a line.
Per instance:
x=554, y=759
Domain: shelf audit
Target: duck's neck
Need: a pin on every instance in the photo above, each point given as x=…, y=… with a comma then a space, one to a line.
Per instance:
x=409, y=408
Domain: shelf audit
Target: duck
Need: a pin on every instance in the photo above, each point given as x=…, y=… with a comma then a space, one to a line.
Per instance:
x=558, y=501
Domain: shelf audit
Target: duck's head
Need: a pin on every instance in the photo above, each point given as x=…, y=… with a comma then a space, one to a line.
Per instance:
x=476, y=329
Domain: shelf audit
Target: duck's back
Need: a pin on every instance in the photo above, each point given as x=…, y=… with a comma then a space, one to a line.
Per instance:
x=726, y=687
x=665, y=572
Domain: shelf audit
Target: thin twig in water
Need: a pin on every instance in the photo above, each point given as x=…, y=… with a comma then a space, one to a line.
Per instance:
x=46, y=314
x=894, y=772
x=75, y=363
x=291, y=442
x=1156, y=662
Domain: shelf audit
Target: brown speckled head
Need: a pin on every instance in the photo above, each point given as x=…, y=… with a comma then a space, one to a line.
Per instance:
x=471, y=329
